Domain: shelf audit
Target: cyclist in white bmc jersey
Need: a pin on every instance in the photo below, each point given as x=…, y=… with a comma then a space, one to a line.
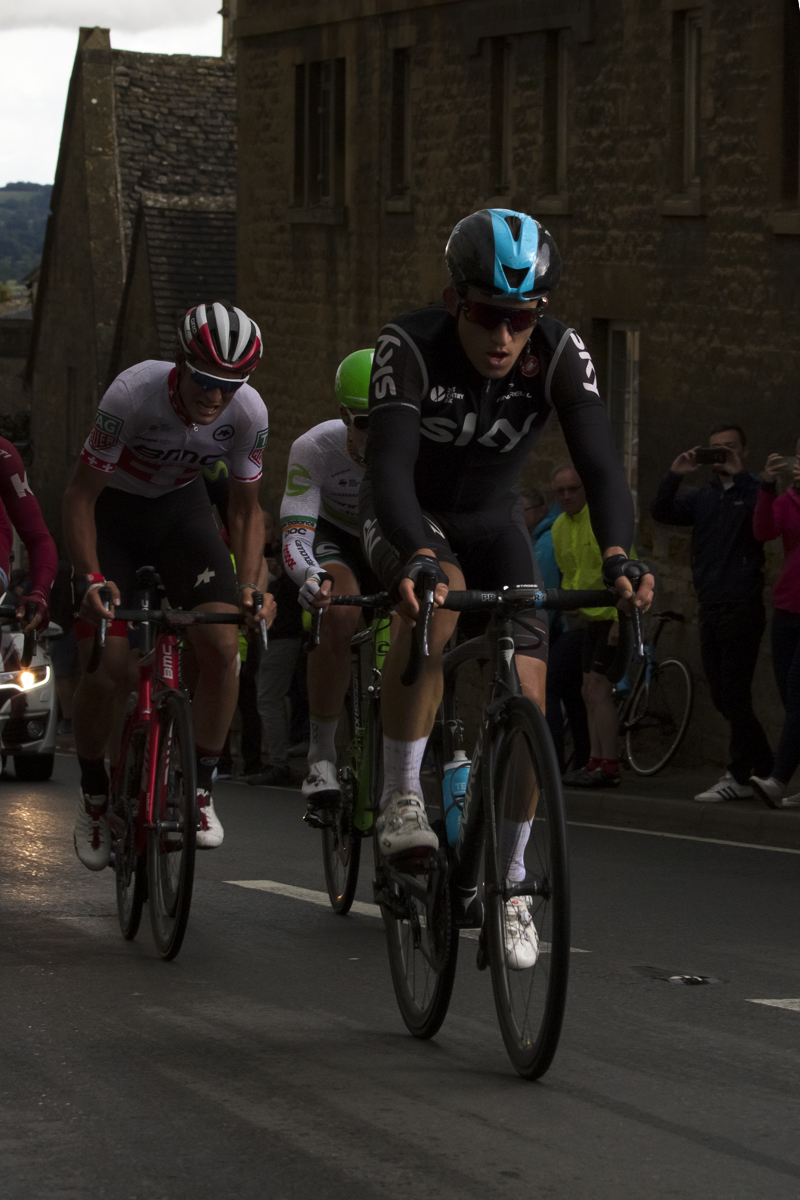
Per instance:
x=319, y=518
x=137, y=498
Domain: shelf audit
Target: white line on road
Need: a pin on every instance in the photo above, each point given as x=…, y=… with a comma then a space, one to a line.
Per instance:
x=794, y=1005
x=358, y=906
x=685, y=837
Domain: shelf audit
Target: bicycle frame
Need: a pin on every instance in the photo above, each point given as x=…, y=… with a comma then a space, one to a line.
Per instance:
x=159, y=671
x=365, y=749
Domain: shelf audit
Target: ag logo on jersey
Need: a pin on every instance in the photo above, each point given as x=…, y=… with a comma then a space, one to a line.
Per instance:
x=106, y=430
x=223, y=433
x=256, y=454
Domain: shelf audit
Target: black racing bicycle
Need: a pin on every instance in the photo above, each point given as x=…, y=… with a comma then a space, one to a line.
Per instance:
x=513, y=796
x=654, y=713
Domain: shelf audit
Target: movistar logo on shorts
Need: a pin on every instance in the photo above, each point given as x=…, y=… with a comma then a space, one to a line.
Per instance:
x=298, y=480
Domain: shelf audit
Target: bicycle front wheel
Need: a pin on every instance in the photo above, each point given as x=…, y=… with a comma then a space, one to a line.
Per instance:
x=526, y=802
x=171, y=841
x=659, y=716
x=341, y=841
x=130, y=867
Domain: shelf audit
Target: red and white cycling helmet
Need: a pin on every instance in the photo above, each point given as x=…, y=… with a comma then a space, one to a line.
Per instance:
x=221, y=337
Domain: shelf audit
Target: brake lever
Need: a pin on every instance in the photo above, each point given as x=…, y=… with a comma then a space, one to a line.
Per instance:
x=30, y=639
x=258, y=600
x=638, y=648
x=100, y=633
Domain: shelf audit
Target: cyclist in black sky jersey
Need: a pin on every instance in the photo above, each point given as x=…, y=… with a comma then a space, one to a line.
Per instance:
x=459, y=395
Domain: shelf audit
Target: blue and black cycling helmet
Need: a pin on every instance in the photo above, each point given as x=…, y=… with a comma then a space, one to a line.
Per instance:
x=503, y=253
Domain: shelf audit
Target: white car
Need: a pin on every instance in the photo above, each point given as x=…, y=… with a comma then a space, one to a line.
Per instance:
x=28, y=707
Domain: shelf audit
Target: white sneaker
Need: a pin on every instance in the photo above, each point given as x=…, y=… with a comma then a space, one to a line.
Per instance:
x=772, y=791
x=321, y=785
x=725, y=788
x=522, y=940
x=92, y=836
x=209, y=829
x=402, y=827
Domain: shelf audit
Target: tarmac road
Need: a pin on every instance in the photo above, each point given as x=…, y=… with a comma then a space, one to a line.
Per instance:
x=269, y=1060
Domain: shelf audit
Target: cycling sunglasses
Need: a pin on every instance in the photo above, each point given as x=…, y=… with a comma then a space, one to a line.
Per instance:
x=489, y=316
x=359, y=420
x=210, y=382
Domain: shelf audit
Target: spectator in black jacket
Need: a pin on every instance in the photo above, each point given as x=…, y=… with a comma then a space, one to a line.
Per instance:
x=728, y=575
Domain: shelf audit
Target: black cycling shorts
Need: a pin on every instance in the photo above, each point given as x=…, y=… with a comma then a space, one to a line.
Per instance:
x=335, y=545
x=597, y=655
x=175, y=533
x=492, y=549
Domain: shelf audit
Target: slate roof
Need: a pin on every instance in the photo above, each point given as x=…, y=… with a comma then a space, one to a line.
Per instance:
x=192, y=258
x=175, y=117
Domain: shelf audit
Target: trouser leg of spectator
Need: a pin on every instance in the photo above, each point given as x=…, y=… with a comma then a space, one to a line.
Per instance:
x=730, y=636
x=564, y=680
x=274, y=679
x=786, y=661
x=248, y=707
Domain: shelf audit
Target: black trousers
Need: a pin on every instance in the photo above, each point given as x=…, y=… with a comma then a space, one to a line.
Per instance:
x=730, y=635
x=786, y=663
x=564, y=681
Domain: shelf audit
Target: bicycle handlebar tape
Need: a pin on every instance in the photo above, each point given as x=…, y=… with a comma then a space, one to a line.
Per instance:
x=426, y=580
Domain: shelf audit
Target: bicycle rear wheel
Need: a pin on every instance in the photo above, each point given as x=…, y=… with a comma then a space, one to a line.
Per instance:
x=171, y=842
x=530, y=1001
x=130, y=867
x=341, y=841
x=422, y=940
x=659, y=716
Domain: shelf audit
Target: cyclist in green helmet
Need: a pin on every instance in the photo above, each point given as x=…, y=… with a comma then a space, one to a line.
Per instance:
x=319, y=520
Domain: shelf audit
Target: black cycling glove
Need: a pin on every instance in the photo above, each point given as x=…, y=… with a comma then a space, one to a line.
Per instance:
x=632, y=568
x=414, y=568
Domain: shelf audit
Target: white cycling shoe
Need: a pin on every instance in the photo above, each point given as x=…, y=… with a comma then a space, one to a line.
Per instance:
x=402, y=827
x=209, y=828
x=92, y=836
x=321, y=786
x=522, y=940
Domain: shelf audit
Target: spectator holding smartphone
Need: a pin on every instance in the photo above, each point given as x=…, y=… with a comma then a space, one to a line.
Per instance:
x=728, y=575
x=779, y=516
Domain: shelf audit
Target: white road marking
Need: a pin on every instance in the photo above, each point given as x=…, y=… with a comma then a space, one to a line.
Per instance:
x=686, y=837
x=358, y=906
x=794, y=1005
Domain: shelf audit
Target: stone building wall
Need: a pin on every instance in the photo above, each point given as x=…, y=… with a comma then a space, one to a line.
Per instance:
x=708, y=273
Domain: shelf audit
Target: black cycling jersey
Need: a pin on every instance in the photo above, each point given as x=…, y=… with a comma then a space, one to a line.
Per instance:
x=445, y=439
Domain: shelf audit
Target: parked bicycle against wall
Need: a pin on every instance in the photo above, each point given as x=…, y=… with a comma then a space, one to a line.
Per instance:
x=655, y=712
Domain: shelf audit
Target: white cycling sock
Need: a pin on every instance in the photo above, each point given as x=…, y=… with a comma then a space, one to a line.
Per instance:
x=322, y=739
x=513, y=840
x=401, y=764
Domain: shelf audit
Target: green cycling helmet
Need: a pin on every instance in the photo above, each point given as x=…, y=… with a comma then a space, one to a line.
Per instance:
x=352, y=380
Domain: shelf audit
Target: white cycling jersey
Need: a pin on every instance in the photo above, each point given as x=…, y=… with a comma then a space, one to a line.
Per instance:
x=143, y=437
x=322, y=481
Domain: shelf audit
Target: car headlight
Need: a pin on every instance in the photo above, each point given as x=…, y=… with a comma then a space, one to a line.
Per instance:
x=25, y=680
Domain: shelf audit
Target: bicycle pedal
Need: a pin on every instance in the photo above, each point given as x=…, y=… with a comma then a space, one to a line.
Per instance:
x=315, y=821
x=415, y=862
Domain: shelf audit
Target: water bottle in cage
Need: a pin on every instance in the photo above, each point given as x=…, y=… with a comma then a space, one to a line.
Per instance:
x=454, y=785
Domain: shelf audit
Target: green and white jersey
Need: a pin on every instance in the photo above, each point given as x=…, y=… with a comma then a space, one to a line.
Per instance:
x=322, y=481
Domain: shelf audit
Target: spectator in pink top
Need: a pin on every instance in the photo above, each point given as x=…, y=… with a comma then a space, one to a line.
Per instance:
x=779, y=516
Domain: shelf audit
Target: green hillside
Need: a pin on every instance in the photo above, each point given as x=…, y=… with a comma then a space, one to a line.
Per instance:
x=23, y=217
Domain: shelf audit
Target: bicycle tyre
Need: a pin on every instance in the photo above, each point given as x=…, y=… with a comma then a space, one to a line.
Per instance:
x=422, y=955
x=171, y=843
x=530, y=1002
x=654, y=734
x=130, y=868
x=341, y=841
